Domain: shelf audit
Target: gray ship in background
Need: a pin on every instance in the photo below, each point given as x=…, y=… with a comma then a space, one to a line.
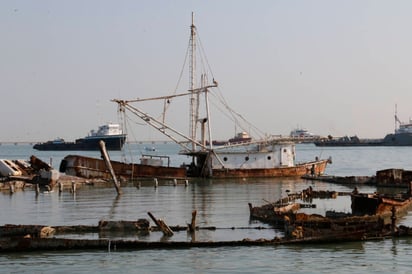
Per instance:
x=401, y=137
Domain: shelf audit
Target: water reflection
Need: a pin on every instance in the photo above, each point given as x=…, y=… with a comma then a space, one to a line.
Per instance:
x=115, y=202
x=219, y=203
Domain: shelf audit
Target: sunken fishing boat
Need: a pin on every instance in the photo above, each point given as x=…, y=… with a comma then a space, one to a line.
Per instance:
x=371, y=214
x=110, y=133
x=260, y=156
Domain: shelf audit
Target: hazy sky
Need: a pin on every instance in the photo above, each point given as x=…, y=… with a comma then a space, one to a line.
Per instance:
x=333, y=67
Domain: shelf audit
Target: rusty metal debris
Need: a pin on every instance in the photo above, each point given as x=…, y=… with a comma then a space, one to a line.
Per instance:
x=387, y=177
x=372, y=214
x=15, y=238
x=33, y=171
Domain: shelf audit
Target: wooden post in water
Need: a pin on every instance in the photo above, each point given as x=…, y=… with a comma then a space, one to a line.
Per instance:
x=73, y=189
x=11, y=185
x=393, y=220
x=192, y=225
x=161, y=225
x=106, y=159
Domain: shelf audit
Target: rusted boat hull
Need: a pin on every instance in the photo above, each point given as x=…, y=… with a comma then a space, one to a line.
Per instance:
x=15, y=238
x=90, y=168
x=309, y=168
x=56, y=244
x=383, y=207
x=343, y=180
x=37, y=244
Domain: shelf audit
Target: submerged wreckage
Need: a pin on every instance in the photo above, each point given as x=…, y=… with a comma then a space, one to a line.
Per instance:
x=373, y=216
x=33, y=171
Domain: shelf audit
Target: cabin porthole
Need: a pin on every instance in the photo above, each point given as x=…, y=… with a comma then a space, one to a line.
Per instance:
x=269, y=158
x=225, y=159
x=247, y=158
x=284, y=150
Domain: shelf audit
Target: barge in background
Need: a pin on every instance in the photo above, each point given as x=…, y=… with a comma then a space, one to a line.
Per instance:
x=401, y=137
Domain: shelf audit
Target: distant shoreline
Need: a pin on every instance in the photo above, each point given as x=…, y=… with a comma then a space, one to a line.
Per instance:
x=127, y=142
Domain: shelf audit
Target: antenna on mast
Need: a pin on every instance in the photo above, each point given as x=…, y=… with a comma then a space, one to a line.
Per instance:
x=194, y=97
x=396, y=117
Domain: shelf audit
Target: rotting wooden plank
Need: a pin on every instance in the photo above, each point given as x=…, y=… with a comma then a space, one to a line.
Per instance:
x=192, y=225
x=161, y=225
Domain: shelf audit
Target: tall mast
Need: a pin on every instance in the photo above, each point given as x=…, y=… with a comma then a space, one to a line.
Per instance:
x=193, y=97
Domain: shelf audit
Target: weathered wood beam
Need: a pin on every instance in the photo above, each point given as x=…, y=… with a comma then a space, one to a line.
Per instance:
x=106, y=159
x=161, y=225
x=192, y=225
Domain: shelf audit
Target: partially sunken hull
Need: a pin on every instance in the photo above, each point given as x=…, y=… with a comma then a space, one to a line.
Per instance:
x=85, y=144
x=91, y=168
x=314, y=168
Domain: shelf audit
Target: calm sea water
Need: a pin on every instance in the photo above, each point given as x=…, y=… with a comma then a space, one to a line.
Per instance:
x=219, y=203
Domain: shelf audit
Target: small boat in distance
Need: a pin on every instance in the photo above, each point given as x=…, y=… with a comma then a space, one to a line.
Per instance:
x=241, y=137
x=150, y=148
x=110, y=133
x=301, y=133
